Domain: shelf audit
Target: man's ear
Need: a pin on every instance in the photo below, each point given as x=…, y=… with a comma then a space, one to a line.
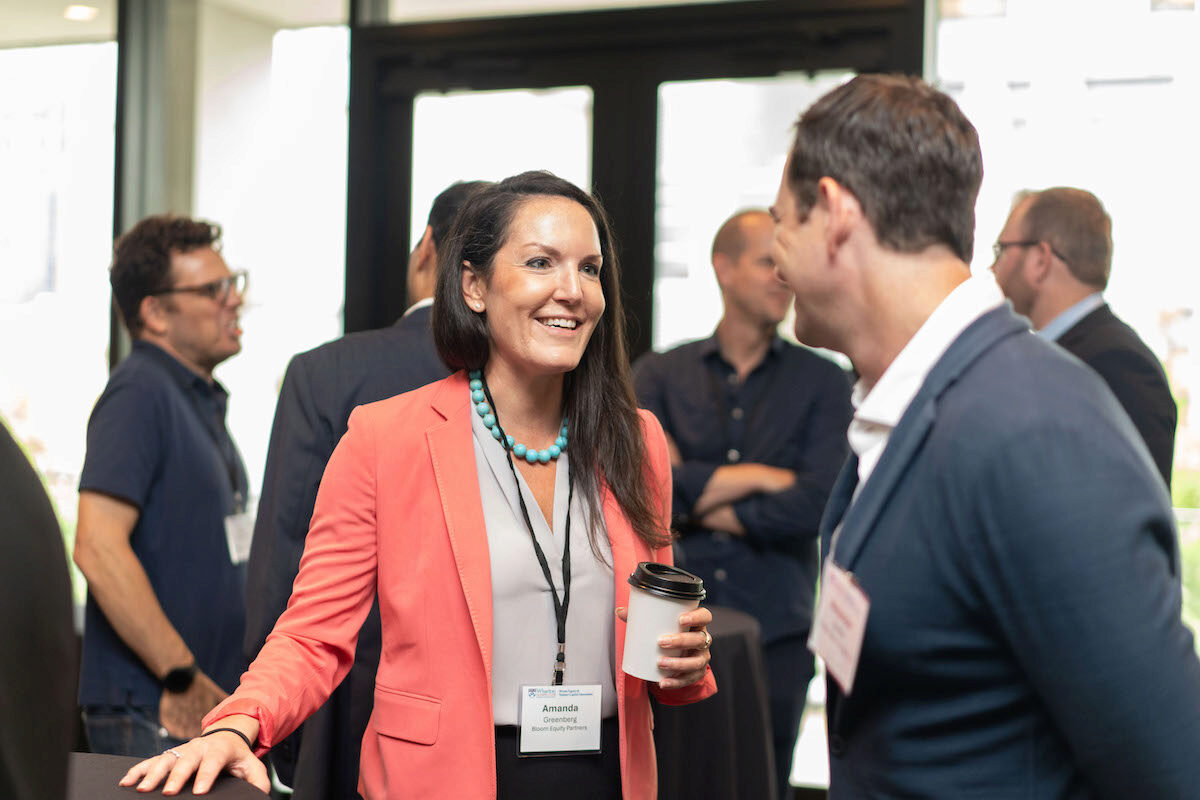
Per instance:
x=722, y=264
x=1038, y=263
x=425, y=257
x=473, y=288
x=841, y=210
x=153, y=314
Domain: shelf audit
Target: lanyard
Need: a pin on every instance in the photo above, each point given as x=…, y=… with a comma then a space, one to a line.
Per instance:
x=560, y=606
x=225, y=449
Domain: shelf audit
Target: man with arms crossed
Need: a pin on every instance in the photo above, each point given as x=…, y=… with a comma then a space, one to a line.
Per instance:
x=1052, y=261
x=1000, y=603
x=320, y=389
x=162, y=533
x=758, y=432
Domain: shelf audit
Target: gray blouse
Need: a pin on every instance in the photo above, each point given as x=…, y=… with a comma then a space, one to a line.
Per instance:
x=524, y=631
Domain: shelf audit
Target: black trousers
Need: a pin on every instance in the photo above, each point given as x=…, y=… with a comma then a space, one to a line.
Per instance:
x=579, y=777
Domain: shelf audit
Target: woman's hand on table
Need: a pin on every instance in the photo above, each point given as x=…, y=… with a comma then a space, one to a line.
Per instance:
x=206, y=757
x=692, y=664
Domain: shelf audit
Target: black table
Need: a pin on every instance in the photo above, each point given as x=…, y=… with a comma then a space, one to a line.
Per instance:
x=94, y=777
x=721, y=747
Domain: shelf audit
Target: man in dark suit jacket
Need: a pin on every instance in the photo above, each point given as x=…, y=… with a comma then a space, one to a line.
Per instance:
x=1053, y=260
x=320, y=389
x=1000, y=603
x=38, y=648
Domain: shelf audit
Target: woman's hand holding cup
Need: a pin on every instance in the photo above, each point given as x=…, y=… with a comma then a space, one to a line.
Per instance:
x=692, y=665
x=666, y=633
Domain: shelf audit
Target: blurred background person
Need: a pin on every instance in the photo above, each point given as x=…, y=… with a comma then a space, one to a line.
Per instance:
x=449, y=502
x=38, y=647
x=758, y=433
x=1053, y=260
x=320, y=389
x=163, y=531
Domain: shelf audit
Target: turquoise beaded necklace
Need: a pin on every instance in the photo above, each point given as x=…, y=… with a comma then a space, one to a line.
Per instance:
x=480, y=397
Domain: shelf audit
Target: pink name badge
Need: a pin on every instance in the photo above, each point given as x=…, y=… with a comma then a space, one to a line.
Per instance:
x=839, y=624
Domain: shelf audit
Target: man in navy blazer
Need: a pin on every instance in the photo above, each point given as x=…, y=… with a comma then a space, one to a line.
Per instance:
x=1053, y=259
x=1000, y=604
x=320, y=389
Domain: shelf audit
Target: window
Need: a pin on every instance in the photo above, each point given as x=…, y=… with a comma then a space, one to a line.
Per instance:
x=57, y=116
x=1122, y=126
x=270, y=168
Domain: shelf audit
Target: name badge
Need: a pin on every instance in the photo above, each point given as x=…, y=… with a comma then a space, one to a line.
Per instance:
x=839, y=624
x=239, y=533
x=557, y=720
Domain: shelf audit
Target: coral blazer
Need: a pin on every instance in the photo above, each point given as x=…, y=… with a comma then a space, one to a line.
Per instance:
x=399, y=513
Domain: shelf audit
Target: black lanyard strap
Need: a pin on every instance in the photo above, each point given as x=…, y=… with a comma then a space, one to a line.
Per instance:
x=560, y=606
x=214, y=425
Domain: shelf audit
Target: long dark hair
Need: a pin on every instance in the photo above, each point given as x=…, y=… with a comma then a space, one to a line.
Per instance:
x=606, y=433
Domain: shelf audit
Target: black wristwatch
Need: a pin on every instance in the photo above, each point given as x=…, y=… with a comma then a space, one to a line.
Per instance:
x=179, y=679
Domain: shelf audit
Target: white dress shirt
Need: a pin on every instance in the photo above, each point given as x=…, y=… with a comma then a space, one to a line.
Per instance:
x=878, y=412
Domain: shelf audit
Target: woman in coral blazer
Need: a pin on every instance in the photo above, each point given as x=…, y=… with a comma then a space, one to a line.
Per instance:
x=528, y=296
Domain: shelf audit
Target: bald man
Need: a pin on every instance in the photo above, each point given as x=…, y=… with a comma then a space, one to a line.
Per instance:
x=1053, y=260
x=758, y=431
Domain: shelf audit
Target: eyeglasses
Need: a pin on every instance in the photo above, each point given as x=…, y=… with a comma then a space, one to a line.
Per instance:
x=999, y=247
x=214, y=290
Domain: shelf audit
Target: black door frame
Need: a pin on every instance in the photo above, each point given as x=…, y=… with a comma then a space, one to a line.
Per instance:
x=623, y=56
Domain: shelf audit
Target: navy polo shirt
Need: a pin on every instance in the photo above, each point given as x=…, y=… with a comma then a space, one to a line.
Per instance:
x=157, y=439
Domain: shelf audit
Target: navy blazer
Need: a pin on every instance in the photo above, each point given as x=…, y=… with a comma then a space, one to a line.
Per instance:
x=1133, y=372
x=1024, y=637
x=320, y=389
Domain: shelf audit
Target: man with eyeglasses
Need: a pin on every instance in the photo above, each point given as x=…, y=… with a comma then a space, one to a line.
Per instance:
x=163, y=531
x=1053, y=260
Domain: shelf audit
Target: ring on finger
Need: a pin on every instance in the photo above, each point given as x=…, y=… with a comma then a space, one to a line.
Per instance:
x=707, y=641
x=172, y=751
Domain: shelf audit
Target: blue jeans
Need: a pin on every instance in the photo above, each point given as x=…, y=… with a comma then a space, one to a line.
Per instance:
x=126, y=731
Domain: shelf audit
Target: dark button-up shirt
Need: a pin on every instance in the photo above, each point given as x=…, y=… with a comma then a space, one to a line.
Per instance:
x=791, y=411
x=157, y=439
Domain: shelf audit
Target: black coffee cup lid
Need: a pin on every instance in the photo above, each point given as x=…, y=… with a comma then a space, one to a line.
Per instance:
x=667, y=581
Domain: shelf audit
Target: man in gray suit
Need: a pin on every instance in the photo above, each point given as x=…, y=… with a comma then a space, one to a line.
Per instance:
x=320, y=389
x=1000, y=602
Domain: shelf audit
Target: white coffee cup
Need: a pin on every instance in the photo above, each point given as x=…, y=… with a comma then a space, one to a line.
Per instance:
x=659, y=594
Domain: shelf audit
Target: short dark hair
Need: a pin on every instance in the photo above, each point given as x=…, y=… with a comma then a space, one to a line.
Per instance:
x=446, y=206
x=730, y=240
x=904, y=150
x=606, y=433
x=141, y=263
x=1075, y=224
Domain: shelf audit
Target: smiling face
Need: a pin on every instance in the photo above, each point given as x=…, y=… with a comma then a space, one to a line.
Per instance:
x=797, y=249
x=543, y=298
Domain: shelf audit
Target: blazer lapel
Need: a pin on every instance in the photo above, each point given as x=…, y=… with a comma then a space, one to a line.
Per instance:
x=908, y=436
x=625, y=558
x=453, y=453
x=839, y=501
